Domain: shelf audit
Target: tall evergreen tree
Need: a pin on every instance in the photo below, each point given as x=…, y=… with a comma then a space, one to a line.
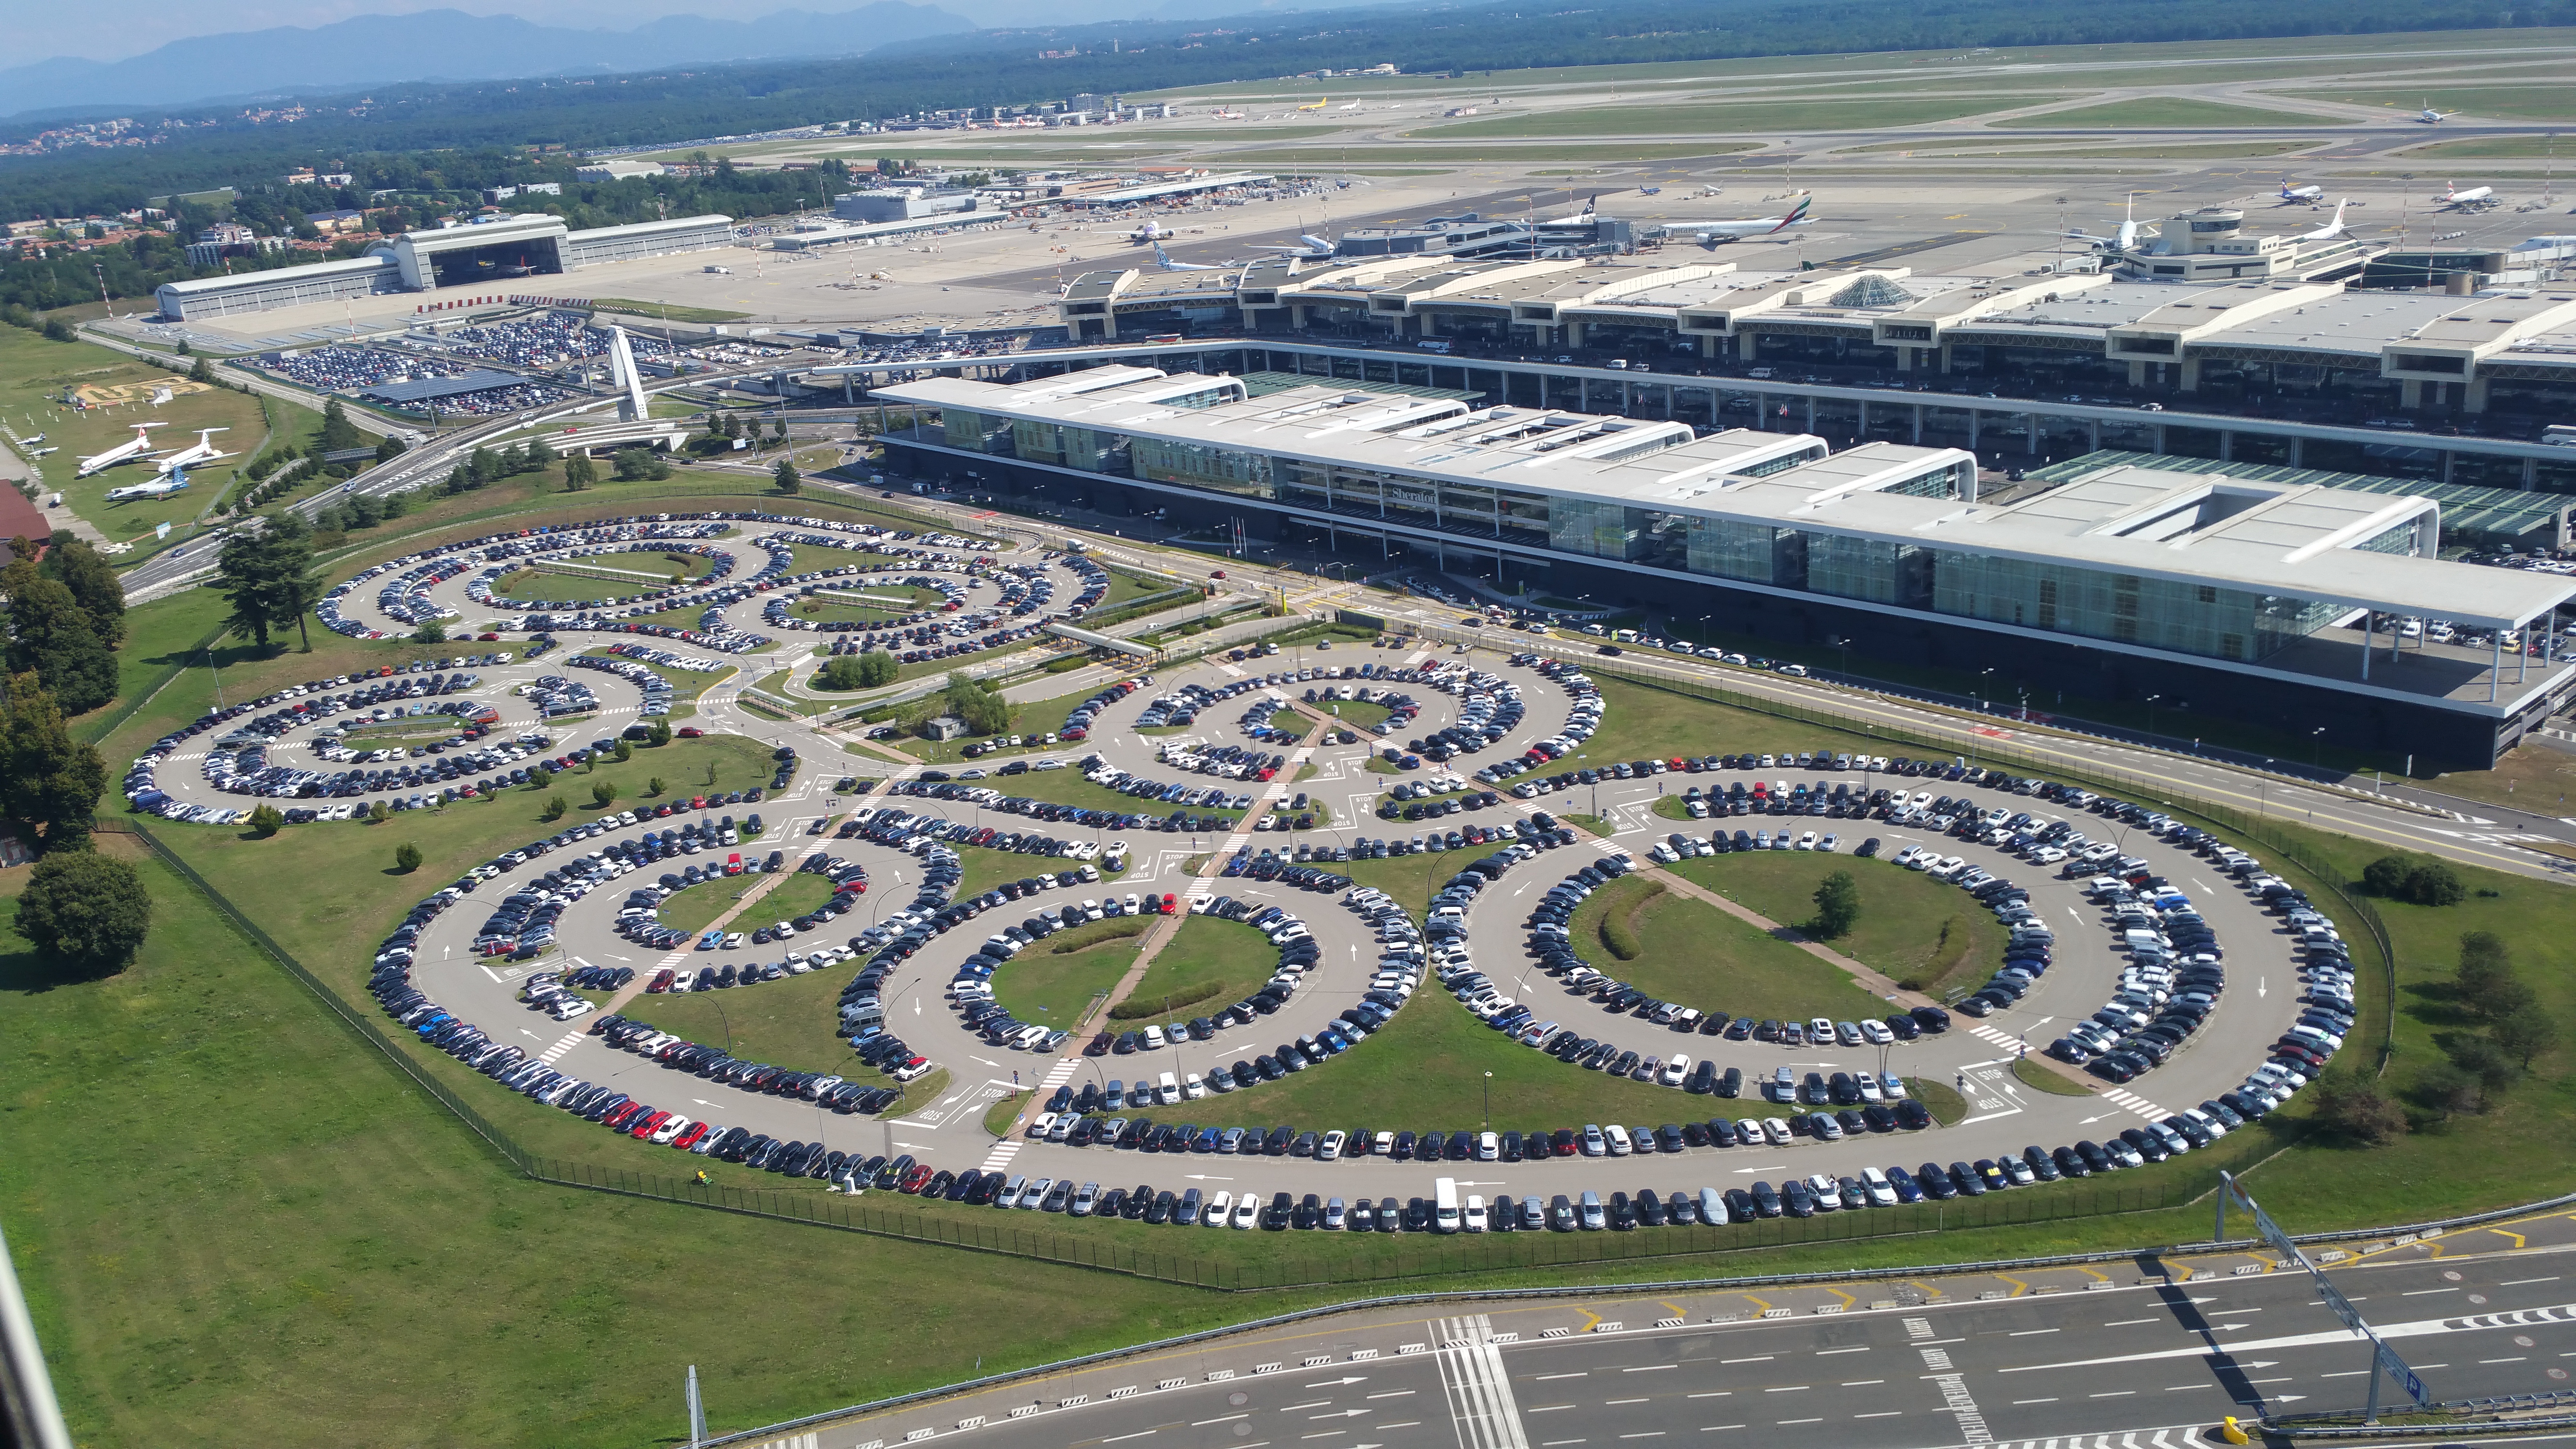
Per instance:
x=47, y=779
x=50, y=635
x=93, y=584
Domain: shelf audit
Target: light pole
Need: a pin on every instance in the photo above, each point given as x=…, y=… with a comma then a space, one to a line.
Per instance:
x=2317, y=737
x=2151, y=716
x=1489, y=1101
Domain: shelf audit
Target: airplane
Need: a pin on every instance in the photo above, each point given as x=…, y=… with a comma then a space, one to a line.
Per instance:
x=41, y=452
x=1164, y=260
x=2327, y=232
x=1151, y=231
x=140, y=447
x=201, y=451
x=2474, y=199
x=1320, y=103
x=2125, y=239
x=1226, y=113
x=2291, y=193
x=1352, y=106
x=157, y=488
x=1584, y=217
x=1315, y=249
x=1712, y=233
x=2431, y=117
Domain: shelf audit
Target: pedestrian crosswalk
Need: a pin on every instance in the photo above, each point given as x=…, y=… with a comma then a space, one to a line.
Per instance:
x=554, y=1054
x=2185, y=1436
x=2121, y=1096
x=1001, y=1155
x=2001, y=1038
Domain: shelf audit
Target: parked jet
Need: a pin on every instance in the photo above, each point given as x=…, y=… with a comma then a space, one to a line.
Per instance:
x=126, y=452
x=1711, y=233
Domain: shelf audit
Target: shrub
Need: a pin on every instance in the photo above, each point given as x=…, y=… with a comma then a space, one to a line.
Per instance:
x=603, y=792
x=266, y=821
x=656, y=785
x=555, y=807
x=842, y=671
x=2358, y=1111
x=379, y=813
x=1619, y=927
x=407, y=857
x=2423, y=882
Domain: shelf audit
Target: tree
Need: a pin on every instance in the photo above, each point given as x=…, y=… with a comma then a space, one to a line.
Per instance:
x=2503, y=999
x=57, y=330
x=625, y=751
x=2483, y=955
x=655, y=786
x=656, y=467
x=778, y=428
x=47, y=779
x=247, y=571
x=555, y=807
x=389, y=449
x=2530, y=1034
x=51, y=635
x=657, y=732
x=407, y=857
x=579, y=473
x=785, y=476
x=632, y=464
x=877, y=667
x=541, y=454
x=844, y=671
x=1837, y=905
x=266, y=821
x=85, y=910
x=603, y=793
x=2480, y=1058
x=93, y=584
x=980, y=705
x=202, y=371
x=2359, y=1111
x=379, y=813
x=2448, y=1090
x=431, y=631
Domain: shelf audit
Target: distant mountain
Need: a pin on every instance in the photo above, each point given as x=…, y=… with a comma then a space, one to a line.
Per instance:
x=447, y=45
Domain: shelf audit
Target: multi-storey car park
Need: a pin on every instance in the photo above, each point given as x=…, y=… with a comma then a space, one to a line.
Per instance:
x=2260, y=599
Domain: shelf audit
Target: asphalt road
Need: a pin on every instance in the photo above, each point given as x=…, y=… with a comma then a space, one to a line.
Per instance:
x=2151, y=1354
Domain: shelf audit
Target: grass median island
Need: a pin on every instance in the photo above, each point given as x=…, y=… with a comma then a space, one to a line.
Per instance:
x=2039, y=1078
x=1053, y=982
x=1408, y=879
x=1691, y=952
x=1911, y=926
x=1938, y=1098
x=1209, y=962
x=693, y=909
x=687, y=685
x=1641, y=721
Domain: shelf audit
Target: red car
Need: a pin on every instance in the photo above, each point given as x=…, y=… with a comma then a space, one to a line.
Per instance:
x=691, y=732
x=913, y=1178
x=1220, y=573
x=649, y=1124
x=690, y=1136
x=489, y=638
x=660, y=983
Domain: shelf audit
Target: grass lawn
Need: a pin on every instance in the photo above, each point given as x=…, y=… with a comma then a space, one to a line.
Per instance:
x=1050, y=983
x=693, y=909
x=548, y=585
x=1409, y=879
x=1039, y=717
x=33, y=374
x=2531, y=777
x=664, y=311
x=1781, y=116
x=348, y=1252
x=1910, y=924
x=914, y=600
x=1938, y=1098
x=1206, y=950
x=1426, y=1070
x=2175, y=112
x=2039, y=1078
x=1697, y=955
x=1640, y=722
x=2502, y=103
x=789, y=1022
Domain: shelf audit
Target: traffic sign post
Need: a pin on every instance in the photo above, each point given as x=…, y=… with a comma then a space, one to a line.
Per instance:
x=2383, y=1359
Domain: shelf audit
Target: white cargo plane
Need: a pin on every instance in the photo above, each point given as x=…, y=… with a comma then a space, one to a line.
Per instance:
x=200, y=451
x=2291, y=194
x=1711, y=233
x=139, y=447
x=2476, y=198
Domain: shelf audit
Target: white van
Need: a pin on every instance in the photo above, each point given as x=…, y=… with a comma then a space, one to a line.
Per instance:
x=1445, y=1217
x=1167, y=1090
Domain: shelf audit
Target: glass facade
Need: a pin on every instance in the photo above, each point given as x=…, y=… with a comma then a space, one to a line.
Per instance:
x=1202, y=465
x=1600, y=530
x=1879, y=570
x=2184, y=618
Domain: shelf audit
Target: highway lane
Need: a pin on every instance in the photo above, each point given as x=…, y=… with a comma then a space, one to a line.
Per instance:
x=2158, y=1349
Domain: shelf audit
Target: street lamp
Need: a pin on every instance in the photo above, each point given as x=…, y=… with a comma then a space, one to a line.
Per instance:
x=2317, y=737
x=2151, y=715
x=1489, y=1101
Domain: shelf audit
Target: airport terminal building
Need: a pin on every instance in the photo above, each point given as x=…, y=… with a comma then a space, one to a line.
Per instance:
x=424, y=261
x=2244, y=597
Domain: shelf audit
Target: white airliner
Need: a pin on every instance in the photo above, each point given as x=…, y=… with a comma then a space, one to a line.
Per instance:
x=1584, y=217
x=201, y=451
x=2327, y=232
x=2291, y=193
x=126, y=452
x=1711, y=233
x=2476, y=198
x=1315, y=248
x=161, y=487
x=2432, y=117
x=1164, y=260
x=2125, y=239
x=1151, y=231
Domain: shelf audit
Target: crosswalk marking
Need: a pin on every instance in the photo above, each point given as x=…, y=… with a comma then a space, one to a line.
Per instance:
x=2136, y=1103
x=2182, y=1436
x=554, y=1053
x=1001, y=1155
